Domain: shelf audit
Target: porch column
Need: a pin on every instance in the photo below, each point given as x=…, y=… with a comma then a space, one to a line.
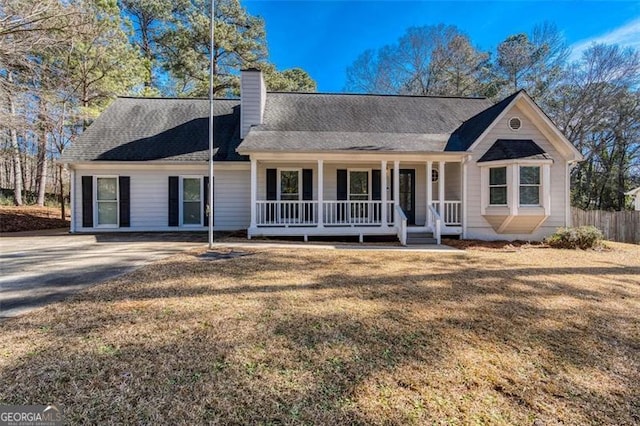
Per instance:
x=383, y=192
x=441, y=188
x=320, y=196
x=72, y=200
x=396, y=183
x=254, y=191
x=429, y=197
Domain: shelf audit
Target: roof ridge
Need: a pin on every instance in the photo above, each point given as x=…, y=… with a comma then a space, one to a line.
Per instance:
x=175, y=98
x=378, y=95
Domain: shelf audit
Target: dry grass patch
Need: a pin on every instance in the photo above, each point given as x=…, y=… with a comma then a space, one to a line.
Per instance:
x=342, y=337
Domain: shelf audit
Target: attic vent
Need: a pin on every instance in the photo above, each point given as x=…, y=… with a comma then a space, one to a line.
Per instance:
x=515, y=123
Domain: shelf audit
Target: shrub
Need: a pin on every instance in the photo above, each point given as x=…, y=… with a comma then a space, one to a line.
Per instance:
x=583, y=237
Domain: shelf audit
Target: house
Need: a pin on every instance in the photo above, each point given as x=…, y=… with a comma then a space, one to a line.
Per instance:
x=313, y=164
x=635, y=193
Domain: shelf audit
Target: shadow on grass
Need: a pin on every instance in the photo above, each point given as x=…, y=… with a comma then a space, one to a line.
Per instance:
x=326, y=343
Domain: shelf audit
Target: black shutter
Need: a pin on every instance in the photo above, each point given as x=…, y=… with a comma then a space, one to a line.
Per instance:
x=391, y=186
x=205, y=197
x=87, y=201
x=272, y=183
x=174, y=200
x=307, y=184
x=125, y=201
x=341, y=184
x=376, y=185
x=307, y=193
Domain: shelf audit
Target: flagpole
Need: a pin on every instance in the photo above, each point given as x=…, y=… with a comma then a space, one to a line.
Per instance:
x=211, y=152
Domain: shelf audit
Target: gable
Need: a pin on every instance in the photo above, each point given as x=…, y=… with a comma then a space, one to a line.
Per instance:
x=535, y=126
x=527, y=132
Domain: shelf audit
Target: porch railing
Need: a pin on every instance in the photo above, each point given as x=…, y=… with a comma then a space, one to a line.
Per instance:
x=355, y=212
x=434, y=217
x=301, y=213
x=279, y=213
x=452, y=212
x=401, y=225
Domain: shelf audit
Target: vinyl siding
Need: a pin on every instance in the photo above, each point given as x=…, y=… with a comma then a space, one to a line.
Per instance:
x=477, y=226
x=149, y=198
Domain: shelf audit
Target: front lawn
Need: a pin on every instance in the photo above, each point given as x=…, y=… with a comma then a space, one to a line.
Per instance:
x=515, y=336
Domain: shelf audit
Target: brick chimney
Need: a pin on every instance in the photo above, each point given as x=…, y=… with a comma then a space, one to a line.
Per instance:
x=253, y=96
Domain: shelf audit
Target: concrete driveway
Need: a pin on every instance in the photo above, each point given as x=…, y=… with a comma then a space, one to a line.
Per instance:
x=37, y=268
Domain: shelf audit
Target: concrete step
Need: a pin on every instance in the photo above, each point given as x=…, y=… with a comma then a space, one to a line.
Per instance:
x=421, y=238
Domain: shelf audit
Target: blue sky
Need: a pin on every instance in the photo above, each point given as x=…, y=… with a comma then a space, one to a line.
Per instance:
x=325, y=37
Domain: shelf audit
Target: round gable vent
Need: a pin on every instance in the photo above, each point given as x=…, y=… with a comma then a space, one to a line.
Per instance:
x=515, y=123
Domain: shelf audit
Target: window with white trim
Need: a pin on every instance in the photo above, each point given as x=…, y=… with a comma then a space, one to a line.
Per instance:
x=191, y=195
x=529, y=185
x=359, y=189
x=106, y=201
x=289, y=186
x=498, y=186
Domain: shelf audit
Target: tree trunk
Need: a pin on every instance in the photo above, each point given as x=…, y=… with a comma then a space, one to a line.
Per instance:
x=15, y=148
x=61, y=182
x=42, y=168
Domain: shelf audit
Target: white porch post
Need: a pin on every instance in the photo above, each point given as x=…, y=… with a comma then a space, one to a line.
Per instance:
x=320, y=196
x=383, y=192
x=441, y=188
x=254, y=193
x=429, y=188
x=464, y=164
x=396, y=183
x=72, y=200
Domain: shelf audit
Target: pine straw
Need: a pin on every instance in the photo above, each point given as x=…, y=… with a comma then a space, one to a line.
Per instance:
x=338, y=337
x=30, y=218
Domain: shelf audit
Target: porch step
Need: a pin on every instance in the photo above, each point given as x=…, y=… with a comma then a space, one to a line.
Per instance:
x=421, y=238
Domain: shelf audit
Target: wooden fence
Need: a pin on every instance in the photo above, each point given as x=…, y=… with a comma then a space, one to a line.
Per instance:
x=623, y=226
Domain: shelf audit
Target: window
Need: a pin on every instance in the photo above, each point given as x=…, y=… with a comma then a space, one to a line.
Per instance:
x=529, y=186
x=107, y=201
x=359, y=185
x=435, y=174
x=289, y=185
x=498, y=186
x=191, y=201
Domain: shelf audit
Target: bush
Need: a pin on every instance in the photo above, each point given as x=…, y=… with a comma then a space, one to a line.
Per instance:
x=583, y=237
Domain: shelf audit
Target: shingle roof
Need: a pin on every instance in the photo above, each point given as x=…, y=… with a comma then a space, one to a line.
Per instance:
x=465, y=135
x=511, y=149
x=147, y=129
x=310, y=141
x=316, y=122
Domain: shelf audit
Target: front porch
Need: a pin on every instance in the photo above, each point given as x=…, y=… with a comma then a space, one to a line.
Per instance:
x=356, y=198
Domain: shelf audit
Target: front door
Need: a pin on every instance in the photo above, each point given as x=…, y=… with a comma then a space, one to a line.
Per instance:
x=408, y=194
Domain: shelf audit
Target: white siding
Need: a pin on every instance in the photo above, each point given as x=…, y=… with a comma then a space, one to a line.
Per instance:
x=477, y=226
x=149, y=193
